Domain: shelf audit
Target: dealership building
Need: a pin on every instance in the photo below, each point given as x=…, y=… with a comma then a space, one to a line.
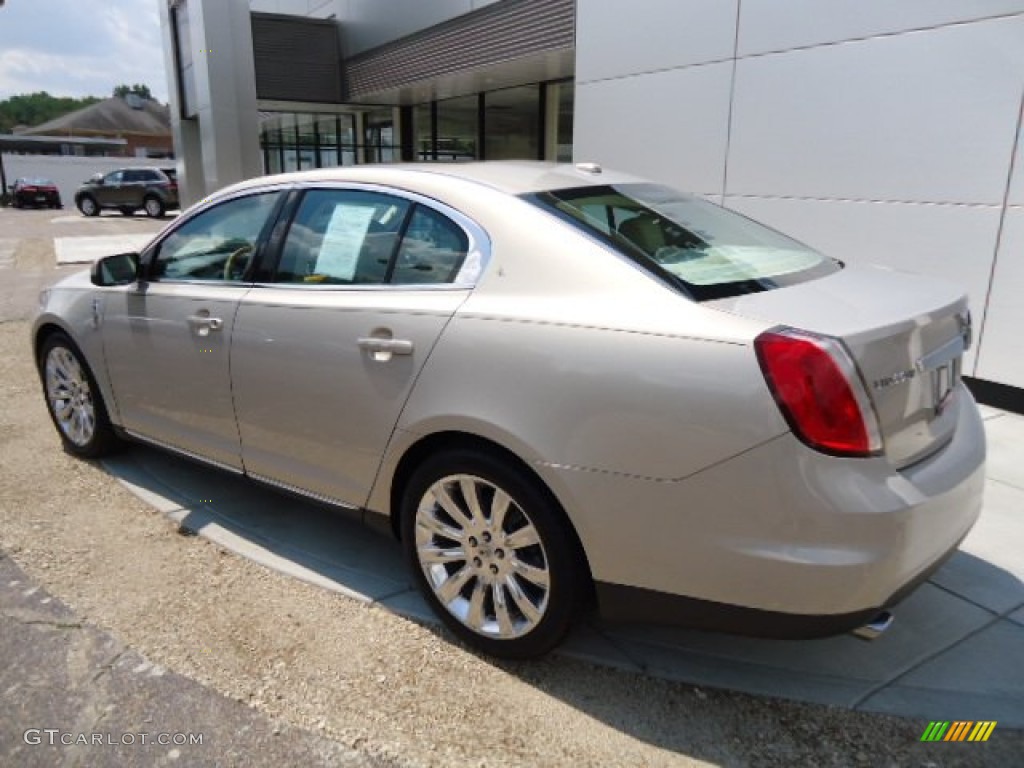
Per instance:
x=875, y=131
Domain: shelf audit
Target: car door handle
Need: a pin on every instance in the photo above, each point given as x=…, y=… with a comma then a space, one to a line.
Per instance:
x=392, y=346
x=203, y=324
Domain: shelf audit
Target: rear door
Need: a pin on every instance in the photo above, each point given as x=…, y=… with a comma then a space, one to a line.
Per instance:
x=325, y=354
x=167, y=338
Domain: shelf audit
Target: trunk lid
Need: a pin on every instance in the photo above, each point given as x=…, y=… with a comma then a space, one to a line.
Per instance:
x=906, y=333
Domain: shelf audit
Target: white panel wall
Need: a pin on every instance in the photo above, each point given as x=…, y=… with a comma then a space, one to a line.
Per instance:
x=1002, y=338
x=619, y=39
x=694, y=158
x=781, y=25
x=877, y=131
x=923, y=116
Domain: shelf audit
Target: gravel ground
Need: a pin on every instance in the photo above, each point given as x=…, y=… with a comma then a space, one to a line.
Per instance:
x=356, y=674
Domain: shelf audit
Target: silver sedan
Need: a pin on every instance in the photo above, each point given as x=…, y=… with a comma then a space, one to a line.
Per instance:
x=555, y=384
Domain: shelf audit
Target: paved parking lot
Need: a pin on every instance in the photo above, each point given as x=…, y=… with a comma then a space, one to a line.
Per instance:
x=335, y=658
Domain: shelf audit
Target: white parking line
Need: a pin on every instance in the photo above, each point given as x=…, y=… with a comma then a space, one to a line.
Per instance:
x=79, y=219
x=81, y=250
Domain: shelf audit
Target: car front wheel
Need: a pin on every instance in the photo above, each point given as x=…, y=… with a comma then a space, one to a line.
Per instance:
x=73, y=399
x=88, y=207
x=492, y=553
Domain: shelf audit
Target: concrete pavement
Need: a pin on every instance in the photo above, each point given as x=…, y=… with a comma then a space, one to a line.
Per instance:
x=955, y=652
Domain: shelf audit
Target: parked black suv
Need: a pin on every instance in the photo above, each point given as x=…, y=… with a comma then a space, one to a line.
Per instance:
x=127, y=190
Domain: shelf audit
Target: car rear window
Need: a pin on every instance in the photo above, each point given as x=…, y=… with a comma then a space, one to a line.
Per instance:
x=707, y=251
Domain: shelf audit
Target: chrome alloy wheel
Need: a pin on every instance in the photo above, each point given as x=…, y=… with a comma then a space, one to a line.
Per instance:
x=482, y=557
x=70, y=396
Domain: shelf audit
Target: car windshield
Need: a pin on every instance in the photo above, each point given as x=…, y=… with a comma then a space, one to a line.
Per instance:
x=702, y=248
x=38, y=182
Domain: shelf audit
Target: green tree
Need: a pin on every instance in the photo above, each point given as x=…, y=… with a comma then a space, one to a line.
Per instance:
x=140, y=90
x=35, y=108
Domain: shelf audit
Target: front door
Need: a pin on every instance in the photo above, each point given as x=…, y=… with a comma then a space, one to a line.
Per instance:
x=167, y=338
x=324, y=358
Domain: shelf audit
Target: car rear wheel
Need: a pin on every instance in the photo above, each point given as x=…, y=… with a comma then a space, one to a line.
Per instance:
x=88, y=206
x=73, y=399
x=492, y=553
x=154, y=207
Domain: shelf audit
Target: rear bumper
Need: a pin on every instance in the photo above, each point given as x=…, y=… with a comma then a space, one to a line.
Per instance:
x=780, y=540
x=619, y=603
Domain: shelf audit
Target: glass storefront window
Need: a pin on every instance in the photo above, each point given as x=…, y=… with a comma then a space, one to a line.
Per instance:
x=457, y=129
x=423, y=135
x=381, y=138
x=299, y=141
x=512, y=124
x=566, y=107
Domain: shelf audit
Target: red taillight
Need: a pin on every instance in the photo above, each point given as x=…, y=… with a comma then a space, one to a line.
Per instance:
x=815, y=382
x=29, y=189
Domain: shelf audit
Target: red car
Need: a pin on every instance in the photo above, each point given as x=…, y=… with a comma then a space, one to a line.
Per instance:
x=35, y=193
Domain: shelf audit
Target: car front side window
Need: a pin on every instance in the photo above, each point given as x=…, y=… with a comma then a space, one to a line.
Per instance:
x=217, y=244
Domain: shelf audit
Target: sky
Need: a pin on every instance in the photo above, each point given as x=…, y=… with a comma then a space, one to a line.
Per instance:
x=80, y=47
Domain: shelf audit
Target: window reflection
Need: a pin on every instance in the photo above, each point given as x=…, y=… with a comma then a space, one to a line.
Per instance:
x=512, y=124
x=299, y=141
x=457, y=129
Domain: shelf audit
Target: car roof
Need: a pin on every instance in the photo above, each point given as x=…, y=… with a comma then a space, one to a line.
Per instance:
x=514, y=177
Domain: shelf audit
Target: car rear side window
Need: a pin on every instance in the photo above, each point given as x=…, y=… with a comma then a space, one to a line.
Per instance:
x=433, y=250
x=704, y=249
x=342, y=237
x=360, y=237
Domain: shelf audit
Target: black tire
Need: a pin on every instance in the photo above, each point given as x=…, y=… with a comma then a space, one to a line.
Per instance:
x=495, y=563
x=153, y=206
x=88, y=206
x=76, y=387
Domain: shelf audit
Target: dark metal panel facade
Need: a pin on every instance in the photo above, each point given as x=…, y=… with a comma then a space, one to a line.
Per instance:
x=500, y=32
x=297, y=59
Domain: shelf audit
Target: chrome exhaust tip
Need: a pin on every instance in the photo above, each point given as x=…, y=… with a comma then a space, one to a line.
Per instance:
x=876, y=627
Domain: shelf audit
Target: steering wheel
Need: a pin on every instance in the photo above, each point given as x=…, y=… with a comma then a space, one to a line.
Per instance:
x=234, y=256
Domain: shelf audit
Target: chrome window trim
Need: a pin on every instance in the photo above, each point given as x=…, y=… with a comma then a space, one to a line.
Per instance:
x=478, y=254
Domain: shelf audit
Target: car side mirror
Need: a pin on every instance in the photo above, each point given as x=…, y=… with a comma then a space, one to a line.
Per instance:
x=119, y=269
